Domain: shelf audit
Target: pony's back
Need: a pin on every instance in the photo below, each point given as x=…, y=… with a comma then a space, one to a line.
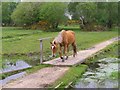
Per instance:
x=68, y=36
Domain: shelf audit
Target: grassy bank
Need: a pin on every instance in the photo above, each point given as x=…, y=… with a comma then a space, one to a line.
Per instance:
x=70, y=76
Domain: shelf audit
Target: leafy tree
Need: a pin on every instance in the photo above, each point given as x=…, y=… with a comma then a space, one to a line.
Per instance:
x=87, y=10
x=7, y=9
x=26, y=13
x=102, y=13
x=118, y=14
x=107, y=13
x=112, y=10
x=72, y=9
x=53, y=13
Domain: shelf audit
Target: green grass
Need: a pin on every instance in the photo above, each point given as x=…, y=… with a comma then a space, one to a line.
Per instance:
x=18, y=43
x=115, y=75
x=25, y=41
x=22, y=41
x=70, y=76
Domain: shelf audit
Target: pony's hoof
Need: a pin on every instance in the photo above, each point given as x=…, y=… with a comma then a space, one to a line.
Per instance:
x=66, y=57
x=63, y=60
x=73, y=55
x=61, y=57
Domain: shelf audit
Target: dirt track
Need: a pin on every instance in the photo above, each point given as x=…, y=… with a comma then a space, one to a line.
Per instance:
x=39, y=79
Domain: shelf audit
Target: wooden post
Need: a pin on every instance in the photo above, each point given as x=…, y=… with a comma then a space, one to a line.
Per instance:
x=41, y=48
x=41, y=51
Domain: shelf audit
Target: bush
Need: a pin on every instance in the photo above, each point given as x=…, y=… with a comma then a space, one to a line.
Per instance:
x=73, y=22
x=94, y=27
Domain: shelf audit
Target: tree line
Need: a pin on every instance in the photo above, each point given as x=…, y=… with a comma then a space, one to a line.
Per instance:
x=53, y=13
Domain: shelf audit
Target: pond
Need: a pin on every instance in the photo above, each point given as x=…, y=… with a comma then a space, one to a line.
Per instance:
x=98, y=75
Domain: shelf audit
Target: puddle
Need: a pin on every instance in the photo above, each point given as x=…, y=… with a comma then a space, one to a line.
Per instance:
x=12, y=77
x=98, y=76
x=9, y=66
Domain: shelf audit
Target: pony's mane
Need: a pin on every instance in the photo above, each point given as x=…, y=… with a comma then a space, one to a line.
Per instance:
x=59, y=38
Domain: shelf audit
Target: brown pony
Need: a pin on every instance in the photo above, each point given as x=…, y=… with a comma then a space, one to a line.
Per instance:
x=64, y=38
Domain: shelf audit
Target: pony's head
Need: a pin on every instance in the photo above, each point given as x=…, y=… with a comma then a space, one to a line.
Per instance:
x=54, y=48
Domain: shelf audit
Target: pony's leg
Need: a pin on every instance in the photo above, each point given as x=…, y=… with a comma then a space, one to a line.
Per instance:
x=67, y=48
x=66, y=51
x=74, y=49
x=60, y=52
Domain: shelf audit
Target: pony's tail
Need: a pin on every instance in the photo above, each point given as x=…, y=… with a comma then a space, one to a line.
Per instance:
x=75, y=50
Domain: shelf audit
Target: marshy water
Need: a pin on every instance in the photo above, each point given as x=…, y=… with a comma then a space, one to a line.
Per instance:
x=10, y=67
x=12, y=77
x=98, y=74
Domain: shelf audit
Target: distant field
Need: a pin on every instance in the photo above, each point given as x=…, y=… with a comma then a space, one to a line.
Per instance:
x=17, y=41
